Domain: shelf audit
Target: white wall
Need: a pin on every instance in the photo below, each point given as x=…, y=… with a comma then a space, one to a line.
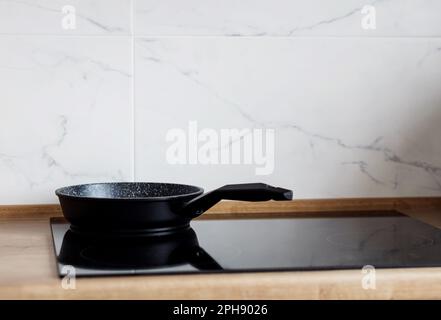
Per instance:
x=356, y=113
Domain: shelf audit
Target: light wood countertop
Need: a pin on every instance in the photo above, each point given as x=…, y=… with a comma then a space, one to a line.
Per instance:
x=28, y=270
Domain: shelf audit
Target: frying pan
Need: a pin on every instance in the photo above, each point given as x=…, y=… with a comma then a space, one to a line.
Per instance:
x=140, y=207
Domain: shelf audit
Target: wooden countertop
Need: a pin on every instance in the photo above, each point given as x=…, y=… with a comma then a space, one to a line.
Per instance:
x=28, y=270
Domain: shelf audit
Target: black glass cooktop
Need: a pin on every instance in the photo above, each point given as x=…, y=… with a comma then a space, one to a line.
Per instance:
x=316, y=243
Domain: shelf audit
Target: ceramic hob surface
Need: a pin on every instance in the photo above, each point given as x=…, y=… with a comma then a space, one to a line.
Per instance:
x=315, y=243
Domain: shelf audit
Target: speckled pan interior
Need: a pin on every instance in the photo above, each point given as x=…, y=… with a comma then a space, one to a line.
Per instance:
x=128, y=190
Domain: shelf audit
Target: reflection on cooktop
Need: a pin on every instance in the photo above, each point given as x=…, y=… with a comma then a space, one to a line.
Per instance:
x=134, y=252
x=254, y=245
x=386, y=238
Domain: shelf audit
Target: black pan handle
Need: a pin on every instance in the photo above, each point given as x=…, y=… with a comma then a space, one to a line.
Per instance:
x=242, y=192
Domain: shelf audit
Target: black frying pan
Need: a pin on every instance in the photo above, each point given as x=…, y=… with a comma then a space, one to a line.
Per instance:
x=150, y=207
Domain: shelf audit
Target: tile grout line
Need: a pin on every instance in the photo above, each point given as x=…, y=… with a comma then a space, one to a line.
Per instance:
x=133, y=118
x=131, y=35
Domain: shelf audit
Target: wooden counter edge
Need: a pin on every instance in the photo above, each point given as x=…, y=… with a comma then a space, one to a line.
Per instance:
x=415, y=283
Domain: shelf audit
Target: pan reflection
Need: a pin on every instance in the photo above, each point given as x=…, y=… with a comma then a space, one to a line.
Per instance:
x=147, y=252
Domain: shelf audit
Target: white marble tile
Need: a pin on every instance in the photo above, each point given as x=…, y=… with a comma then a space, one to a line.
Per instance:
x=65, y=111
x=286, y=17
x=352, y=117
x=60, y=17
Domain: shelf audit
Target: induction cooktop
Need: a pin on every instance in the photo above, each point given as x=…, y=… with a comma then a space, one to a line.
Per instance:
x=381, y=240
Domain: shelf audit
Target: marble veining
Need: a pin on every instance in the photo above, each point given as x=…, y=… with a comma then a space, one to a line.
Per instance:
x=285, y=18
x=72, y=123
x=330, y=20
x=93, y=18
x=176, y=59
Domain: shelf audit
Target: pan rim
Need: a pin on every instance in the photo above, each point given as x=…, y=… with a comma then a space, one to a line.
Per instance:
x=60, y=194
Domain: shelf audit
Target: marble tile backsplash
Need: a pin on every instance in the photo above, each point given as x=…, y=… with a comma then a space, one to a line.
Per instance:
x=65, y=114
x=91, y=90
x=286, y=18
x=52, y=17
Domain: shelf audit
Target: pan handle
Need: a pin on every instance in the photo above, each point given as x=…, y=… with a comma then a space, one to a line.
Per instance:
x=242, y=192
